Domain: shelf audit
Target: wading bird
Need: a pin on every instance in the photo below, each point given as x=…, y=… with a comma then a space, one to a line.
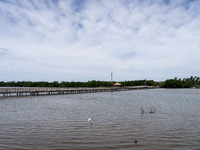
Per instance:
x=90, y=122
x=142, y=110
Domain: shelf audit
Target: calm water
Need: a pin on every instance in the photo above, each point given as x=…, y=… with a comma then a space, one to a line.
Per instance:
x=60, y=122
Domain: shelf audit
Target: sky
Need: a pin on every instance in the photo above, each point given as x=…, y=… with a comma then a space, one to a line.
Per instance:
x=84, y=40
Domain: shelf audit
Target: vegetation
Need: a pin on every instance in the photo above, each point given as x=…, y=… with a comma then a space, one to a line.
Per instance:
x=184, y=83
x=92, y=83
x=170, y=83
x=139, y=82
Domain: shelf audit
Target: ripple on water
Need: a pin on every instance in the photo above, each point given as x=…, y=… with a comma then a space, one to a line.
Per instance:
x=61, y=121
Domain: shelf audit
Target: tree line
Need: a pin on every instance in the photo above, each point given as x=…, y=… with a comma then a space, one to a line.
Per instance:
x=169, y=83
x=92, y=83
x=182, y=83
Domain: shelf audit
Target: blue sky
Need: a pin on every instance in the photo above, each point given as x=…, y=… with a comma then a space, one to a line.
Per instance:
x=81, y=40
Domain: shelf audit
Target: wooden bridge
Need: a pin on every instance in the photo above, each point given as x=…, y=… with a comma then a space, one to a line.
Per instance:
x=32, y=91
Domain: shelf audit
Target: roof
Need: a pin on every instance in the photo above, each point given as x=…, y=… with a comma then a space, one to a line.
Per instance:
x=117, y=84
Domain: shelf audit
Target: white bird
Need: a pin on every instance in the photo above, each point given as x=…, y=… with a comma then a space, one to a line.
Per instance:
x=90, y=122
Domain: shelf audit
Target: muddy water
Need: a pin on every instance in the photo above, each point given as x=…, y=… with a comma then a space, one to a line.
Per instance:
x=60, y=122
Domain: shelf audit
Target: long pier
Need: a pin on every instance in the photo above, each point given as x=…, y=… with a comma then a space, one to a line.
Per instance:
x=33, y=91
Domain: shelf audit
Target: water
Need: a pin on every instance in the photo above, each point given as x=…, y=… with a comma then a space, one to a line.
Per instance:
x=60, y=122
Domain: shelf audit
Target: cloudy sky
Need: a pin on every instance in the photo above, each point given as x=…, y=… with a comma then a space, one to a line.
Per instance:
x=81, y=40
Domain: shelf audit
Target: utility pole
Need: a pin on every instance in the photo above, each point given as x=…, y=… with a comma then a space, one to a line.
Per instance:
x=111, y=77
x=111, y=81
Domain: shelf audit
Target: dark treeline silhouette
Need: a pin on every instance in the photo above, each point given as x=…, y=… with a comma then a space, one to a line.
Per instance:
x=169, y=83
x=139, y=82
x=182, y=83
x=92, y=83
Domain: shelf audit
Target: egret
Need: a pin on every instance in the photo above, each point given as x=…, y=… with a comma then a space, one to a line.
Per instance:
x=90, y=122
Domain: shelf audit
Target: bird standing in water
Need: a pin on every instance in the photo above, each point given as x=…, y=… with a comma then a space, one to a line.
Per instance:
x=142, y=110
x=90, y=122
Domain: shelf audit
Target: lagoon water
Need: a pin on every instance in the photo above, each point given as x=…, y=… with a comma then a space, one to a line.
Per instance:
x=60, y=122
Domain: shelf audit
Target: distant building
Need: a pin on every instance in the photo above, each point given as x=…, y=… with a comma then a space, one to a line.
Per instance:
x=117, y=84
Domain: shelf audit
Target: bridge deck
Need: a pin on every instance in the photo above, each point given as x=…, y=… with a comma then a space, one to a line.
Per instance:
x=30, y=91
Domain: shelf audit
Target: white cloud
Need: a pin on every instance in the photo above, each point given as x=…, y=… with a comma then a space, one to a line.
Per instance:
x=68, y=40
